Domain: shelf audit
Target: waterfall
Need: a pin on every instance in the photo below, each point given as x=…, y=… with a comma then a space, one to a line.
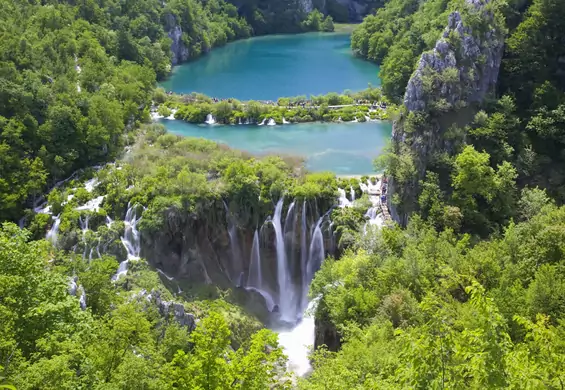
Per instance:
x=303, y=258
x=288, y=236
x=363, y=187
x=286, y=292
x=271, y=122
x=352, y=193
x=316, y=255
x=130, y=240
x=239, y=121
x=172, y=116
x=210, y=120
x=285, y=122
x=52, y=233
x=170, y=278
x=343, y=201
x=237, y=264
x=84, y=227
x=82, y=299
x=262, y=122
x=255, y=278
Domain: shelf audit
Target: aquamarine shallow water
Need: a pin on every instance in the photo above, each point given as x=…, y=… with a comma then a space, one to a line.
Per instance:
x=343, y=148
x=266, y=68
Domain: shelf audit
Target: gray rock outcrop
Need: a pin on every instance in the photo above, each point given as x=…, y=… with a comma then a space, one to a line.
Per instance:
x=450, y=81
x=467, y=65
x=180, y=52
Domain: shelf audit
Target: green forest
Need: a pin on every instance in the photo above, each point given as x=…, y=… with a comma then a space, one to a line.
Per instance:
x=465, y=289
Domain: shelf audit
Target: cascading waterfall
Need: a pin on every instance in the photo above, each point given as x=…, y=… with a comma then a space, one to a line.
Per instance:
x=130, y=240
x=303, y=257
x=285, y=122
x=352, y=193
x=52, y=233
x=262, y=122
x=210, y=120
x=286, y=292
x=271, y=122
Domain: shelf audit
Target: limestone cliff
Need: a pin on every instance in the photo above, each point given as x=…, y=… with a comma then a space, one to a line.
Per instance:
x=448, y=84
x=179, y=50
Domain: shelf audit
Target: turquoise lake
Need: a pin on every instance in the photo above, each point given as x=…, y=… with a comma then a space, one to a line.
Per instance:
x=266, y=68
x=343, y=148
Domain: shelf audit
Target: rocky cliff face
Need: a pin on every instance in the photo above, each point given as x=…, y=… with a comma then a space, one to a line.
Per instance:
x=449, y=83
x=222, y=250
x=178, y=48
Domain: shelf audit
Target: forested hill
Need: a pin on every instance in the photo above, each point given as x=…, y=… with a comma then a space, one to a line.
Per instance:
x=76, y=77
x=468, y=292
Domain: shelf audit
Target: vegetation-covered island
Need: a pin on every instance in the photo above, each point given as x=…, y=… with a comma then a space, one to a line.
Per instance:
x=132, y=258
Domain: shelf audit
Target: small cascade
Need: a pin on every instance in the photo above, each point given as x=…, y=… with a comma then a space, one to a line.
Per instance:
x=343, y=201
x=262, y=122
x=271, y=122
x=367, y=118
x=285, y=122
x=352, y=193
x=109, y=221
x=172, y=116
x=210, y=120
x=286, y=292
x=239, y=121
x=82, y=299
x=364, y=187
x=52, y=233
x=83, y=223
x=91, y=184
x=92, y=205
x=170, y=278
x=131, y=240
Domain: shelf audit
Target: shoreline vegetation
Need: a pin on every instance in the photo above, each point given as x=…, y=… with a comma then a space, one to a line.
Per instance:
x=362, y=106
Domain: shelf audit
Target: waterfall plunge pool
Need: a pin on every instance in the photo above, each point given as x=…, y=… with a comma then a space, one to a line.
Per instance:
x=343, y=148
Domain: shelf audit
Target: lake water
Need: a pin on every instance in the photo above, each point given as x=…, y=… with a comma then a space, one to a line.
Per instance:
x=270, y=67
x=343, y=148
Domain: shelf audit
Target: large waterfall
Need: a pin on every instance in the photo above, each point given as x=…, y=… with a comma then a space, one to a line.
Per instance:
x=286, y=291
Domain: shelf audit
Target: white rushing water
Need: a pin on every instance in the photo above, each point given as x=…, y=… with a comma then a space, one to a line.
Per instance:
x=92, y=205
x=131, y=240
x=210, y=120
x=271, y=122
x=285, y=122
x=286, y=292
x=298, y=341
x=343, y=201
x=52, y=233
x=262, y=122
